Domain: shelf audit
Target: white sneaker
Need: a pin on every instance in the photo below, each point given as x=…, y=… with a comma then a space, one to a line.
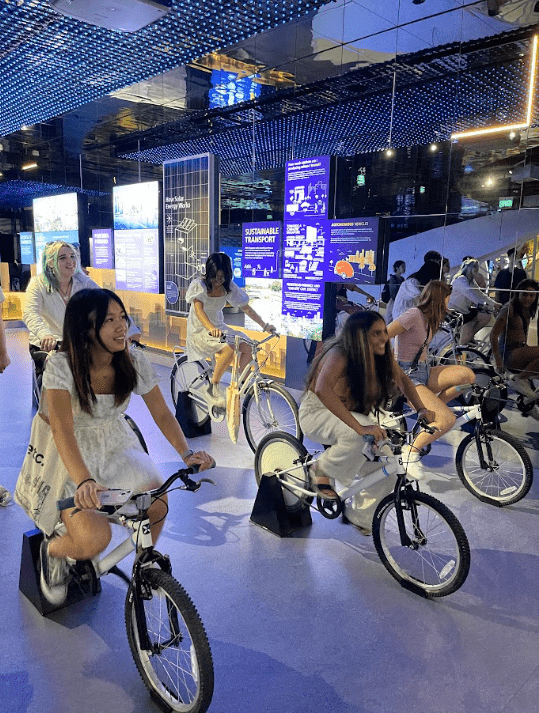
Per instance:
x=5, y=496
x=54, y=573
x=524, y=387
x=214, y=399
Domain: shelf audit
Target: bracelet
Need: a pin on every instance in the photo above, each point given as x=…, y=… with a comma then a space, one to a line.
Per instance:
x=85, y=481
x=187, y=453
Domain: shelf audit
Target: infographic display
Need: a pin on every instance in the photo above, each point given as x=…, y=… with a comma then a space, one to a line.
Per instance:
x=307, y=188
x=136, y=236
x=350, y=250
x=235, y=253
x=28, y=252
x=55, y=218
x=102, y=252
x=262, y=249
x=191, y=203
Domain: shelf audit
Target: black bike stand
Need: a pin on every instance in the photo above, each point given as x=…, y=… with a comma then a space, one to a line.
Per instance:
x=84, y=583
x=269, y=510
x=185, y=415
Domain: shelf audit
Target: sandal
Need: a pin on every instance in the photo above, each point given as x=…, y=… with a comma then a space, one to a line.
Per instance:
x=323, y=490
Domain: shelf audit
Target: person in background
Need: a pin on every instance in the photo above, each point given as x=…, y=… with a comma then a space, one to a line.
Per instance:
x=436, y=386
x=5, y=495
x=394, y=283
x=207, y=296
x=410, y=290
x=446, y=269
x=509, y=337
x=87, y=386
x=508, y=278
x=479, y=278
x=466, y=298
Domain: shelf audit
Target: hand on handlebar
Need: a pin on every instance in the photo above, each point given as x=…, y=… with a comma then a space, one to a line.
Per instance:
x=86, y=497
x=202, y=459
x=216, y=333
x=427, y=414
x=377, y=432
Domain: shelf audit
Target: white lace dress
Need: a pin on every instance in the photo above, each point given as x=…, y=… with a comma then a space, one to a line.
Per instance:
x=200, y=345
x=108, y=445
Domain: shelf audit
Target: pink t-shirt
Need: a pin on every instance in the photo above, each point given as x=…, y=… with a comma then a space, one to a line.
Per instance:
x=407, y=344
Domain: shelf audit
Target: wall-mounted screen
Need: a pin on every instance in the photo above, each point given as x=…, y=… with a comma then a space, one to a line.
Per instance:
x=307, y=188
x=235, y=252
x=262, y=249
x=102, y=249
x=351, y=250
x=265, y=297
x=55, y=218
x=28, y=250
x=136, y=236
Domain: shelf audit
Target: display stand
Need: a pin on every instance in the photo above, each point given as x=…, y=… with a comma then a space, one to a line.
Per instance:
x=83, y=585
x=185, y=415
x=270, y=512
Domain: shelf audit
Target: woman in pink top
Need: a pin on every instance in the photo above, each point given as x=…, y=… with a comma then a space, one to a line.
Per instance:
x=413, y=330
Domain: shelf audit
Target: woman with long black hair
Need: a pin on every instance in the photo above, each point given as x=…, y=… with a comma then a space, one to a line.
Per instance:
x=207, y=296
x=86, y=389
x=348, y=384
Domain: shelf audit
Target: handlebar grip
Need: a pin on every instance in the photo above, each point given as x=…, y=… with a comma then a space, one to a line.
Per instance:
x=66, y=503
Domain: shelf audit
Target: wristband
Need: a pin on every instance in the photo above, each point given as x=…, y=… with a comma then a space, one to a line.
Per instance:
x=187, y=453
x=85, y=481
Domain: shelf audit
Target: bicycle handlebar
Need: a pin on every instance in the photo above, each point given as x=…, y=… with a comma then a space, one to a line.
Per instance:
x=230, y=338
x=182, y=474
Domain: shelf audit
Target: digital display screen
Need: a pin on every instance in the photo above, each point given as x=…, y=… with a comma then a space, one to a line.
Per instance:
x=102, y=252
x=228, y=89
x=265, y=299
x=262, y=249
x=307, y=188
x=136, y=237
x=235, y=252
x=28, y=252
x=350, y=250
x=55, y=218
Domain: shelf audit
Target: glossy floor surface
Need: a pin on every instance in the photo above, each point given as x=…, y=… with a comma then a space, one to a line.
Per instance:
x=307, y=623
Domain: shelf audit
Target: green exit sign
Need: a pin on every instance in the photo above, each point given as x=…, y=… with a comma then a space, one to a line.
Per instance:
x=505, y=203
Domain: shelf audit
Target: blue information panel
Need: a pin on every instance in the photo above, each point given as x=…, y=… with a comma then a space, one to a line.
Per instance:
x=307, y=188
x=261, y=249
x=136, y=236
x=303, y=278
x=55, y=218
x=350, y=250
x=102, y=252
x=28, y=252
x=234, y=252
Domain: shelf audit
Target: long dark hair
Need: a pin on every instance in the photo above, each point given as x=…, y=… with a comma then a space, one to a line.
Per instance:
x=85, y=314
x=216, y=262
x=430, y=270
x=432, y=303
x=516, y=306
x=369, y=377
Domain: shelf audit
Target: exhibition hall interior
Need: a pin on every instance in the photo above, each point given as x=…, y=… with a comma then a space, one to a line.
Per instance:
x=316, y=144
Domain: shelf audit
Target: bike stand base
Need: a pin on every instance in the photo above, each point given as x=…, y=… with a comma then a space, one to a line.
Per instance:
x=269, y=510
x=29, y=577
x=185, y=415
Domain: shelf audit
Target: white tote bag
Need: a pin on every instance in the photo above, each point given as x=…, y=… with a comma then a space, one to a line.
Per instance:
x=42, y=478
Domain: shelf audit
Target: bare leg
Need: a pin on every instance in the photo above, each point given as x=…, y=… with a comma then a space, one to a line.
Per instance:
x=444, y=420
x=444, y=380
x=471, y=328
x=88, y=534
x=525, y=360
x=223, y=359
x=245, y=356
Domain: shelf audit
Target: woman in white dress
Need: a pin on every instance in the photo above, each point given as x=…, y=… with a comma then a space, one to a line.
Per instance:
x=87, y=386
x=207, y=296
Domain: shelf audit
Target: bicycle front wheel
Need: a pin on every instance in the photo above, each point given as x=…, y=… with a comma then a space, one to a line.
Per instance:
x=435, y=555
x=278, y=452
x=276, y=410
x=178, y=666
x=498, y=470
x=183, y=374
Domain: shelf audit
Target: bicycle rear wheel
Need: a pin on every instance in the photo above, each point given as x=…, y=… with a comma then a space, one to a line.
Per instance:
x=183, y=374
x=435, y=558
x=279, y=452
x=507, y=474
x=463, y=356
x=276, y=411
x=178, y=666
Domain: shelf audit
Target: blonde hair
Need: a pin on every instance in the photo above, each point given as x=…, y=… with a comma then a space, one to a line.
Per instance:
x=49, y=263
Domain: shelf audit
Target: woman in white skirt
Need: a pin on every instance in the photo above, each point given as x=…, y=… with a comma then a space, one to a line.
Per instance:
x=87, y=387
x=207, y=296
x=351, y=380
